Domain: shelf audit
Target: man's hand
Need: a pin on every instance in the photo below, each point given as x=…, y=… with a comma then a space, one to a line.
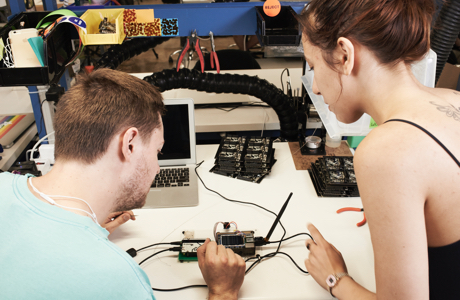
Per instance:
x=324, y=258
x=115, y=219
x=222, y=269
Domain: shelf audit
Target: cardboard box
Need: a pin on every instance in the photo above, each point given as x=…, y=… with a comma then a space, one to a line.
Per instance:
x=449, y=77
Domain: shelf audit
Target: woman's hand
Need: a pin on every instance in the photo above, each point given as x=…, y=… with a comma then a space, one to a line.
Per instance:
x=116, y=219
x=324, y=258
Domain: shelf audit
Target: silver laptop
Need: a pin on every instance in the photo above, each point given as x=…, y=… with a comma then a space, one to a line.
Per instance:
x=177, y=183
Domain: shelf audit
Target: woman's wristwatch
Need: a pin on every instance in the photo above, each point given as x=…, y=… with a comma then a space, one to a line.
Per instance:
x=333, y=279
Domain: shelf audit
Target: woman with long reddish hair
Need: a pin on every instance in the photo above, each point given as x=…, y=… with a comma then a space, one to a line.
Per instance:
x=407, y=168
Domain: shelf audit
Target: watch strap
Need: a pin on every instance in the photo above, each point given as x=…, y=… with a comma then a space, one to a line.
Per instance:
x=337, y=277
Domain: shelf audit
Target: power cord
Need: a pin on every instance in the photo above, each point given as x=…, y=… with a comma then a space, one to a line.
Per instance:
x=157, y=244
x=180, y=288
x=230, y=105
x=281, y=77
x=41, y=119
x=270, y=255
x=288, y=238
x=34, y=148
x=175, y=249
x=241, y=202
x=133, y=252
x=258, y=258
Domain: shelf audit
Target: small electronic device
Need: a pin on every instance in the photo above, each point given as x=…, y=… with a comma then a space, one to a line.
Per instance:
x=245, y=158
x=23, y=54
x=244, y=242
x=188, y=250
x=334, y=176
x=241, y=242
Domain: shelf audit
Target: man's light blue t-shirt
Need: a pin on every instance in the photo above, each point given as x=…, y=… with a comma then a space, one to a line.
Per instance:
x=47, y=252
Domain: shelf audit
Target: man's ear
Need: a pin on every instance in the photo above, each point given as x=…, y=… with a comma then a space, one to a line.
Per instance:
x=129, y=142
x=346, y=55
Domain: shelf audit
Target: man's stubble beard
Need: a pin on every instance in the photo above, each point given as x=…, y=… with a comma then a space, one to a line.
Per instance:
x=132, y=194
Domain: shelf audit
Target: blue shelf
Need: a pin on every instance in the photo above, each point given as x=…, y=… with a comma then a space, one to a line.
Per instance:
x=227, y=18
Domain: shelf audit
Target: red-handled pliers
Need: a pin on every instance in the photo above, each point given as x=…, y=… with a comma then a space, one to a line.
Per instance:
x=213, y=55
x=354, y=209
x=192, y=43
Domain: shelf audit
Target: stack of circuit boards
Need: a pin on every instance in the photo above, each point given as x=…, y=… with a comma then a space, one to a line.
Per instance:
x=245, y=158
x=334, y=176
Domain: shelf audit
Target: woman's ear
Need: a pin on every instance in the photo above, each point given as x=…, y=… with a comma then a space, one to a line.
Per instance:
x=346, y=55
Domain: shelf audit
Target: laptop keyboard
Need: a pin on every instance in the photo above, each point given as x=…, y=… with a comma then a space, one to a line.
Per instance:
x=172, y=177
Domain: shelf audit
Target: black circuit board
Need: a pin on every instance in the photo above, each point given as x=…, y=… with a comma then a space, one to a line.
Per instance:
x=241, y=242
x=245, y=158
x=334, y=176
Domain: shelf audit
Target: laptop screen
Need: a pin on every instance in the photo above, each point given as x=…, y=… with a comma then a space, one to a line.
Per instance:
x=179, y=133
x=176, y=132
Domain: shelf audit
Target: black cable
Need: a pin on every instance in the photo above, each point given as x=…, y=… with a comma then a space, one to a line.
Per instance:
x=161, y=251
x=237, y=201
x=288, y=238
x=252, y=266
x=228, y=110
x=281, y=78
x=258, y=257
x=41, y=119
x=157, y=244
x=270, y=255
x=231, y=200
x=444, y=33
x=282, y=237
x=259, y=260
x=180, y=288
x=230, y=105
x=117, y=54
x=133, y=252
x=282, y=104
x=243, y=105
x=241, y=202
x=257, y=105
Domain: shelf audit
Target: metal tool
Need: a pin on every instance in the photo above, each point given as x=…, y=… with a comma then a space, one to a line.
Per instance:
x=354, y=209
x=192, y=44
x=213, y=55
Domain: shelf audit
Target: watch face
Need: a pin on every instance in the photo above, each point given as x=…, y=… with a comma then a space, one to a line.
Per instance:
x=331, y=281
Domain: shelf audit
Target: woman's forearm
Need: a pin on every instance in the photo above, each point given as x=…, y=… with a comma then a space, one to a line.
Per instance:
x=348, y=289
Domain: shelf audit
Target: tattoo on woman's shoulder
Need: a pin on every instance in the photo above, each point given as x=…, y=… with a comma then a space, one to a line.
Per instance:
x=450, y=110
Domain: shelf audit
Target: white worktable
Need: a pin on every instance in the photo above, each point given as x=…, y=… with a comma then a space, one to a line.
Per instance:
x=276, y=278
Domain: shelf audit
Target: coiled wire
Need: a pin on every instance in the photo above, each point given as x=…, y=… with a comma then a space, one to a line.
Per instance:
x=445, y=32
x=169, y=79
x=117, y=54
x=208, y=82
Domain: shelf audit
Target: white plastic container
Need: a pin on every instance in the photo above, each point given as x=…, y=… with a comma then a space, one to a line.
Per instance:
x=333, y=142
x=424, y=71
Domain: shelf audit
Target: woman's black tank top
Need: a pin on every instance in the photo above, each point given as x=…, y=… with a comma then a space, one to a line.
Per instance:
x=443, y=262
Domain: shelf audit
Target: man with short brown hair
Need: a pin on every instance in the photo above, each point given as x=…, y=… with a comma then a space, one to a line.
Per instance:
x=55, y=227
